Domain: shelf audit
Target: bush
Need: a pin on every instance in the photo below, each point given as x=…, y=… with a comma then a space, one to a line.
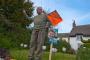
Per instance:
x=84, y=51
x=83, y=54
x=5, y=42
x=71, y=51
x=86, y=41
x=62, y=44
x=13, y=40
x=86, y=45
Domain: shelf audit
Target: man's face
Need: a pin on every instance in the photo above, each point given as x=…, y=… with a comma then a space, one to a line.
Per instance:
x=39, y=10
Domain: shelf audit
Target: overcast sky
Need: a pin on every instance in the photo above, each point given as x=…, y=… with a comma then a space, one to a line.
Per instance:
x=69, y=10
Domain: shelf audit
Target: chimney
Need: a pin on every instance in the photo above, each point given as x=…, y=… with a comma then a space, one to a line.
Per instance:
x=74, y=24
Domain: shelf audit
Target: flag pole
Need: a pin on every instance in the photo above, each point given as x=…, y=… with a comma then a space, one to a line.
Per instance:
x=50, y=54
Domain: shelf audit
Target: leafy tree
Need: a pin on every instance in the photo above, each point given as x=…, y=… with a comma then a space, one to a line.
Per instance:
x=13, y=21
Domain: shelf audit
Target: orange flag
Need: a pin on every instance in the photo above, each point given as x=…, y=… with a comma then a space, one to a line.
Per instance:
x=54, y=18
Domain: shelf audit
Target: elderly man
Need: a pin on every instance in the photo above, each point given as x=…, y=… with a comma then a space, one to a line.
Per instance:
x=38, y=35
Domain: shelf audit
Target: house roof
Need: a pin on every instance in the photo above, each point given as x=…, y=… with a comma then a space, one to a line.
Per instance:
x=63, y=35
x=80, y=30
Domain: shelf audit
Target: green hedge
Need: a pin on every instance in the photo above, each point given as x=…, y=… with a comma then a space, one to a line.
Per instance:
x=84, y=51
x=86, y=41
x=11, y=40
x=60, y=44
x=83, y=54
x=86, y=45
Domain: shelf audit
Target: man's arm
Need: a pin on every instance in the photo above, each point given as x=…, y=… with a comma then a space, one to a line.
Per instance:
x=47, y=21
x=48, y=24
x=29, y=18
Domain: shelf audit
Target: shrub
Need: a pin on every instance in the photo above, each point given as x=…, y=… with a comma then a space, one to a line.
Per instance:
x=5, y=42
x=71, y=51
x=86, y=45
x=62, y=44
x=84, y=51
x=83, y=54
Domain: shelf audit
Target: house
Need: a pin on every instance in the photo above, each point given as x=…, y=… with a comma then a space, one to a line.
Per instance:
x=64, y=36
x=77, y=33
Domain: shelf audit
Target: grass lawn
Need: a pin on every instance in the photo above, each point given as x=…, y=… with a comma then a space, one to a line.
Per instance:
x=23, y=55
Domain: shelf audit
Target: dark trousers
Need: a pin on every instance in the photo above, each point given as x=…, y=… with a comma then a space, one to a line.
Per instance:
x=36, y=43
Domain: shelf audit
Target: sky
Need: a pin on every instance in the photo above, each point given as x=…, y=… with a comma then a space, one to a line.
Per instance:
x=69, y=10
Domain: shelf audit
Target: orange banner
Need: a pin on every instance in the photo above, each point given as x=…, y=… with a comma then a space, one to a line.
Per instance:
x=54, y=18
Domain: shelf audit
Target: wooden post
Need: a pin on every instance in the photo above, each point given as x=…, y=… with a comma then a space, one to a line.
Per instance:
x=50, y=54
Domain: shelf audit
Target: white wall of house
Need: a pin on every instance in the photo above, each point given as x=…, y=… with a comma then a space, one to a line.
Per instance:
x=86, y=38
x=73, y=43
x=65, y=38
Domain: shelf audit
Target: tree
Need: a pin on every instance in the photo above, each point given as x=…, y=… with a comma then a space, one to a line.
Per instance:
x=12, y=10
x=13, y=21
